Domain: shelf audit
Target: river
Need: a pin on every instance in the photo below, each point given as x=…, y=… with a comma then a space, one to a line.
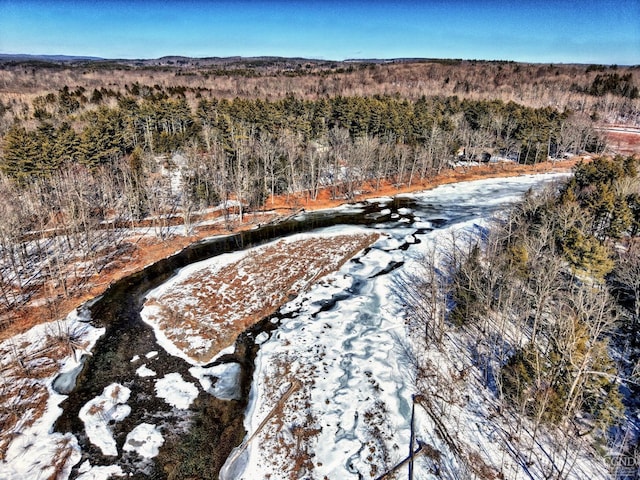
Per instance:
x=339, y=337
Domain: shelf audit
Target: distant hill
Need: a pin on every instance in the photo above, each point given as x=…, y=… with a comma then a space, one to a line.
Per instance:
x=22, y=57
x=169, y=61
x=179, y=61
x=166, y=60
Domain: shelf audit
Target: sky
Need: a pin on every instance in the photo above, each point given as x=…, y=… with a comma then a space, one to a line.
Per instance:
x=561, y=31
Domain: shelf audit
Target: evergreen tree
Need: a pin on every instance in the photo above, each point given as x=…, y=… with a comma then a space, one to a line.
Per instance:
x=21, y=151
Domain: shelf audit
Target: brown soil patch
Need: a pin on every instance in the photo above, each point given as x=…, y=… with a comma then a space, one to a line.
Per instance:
x=624, y=143
x=205, y=312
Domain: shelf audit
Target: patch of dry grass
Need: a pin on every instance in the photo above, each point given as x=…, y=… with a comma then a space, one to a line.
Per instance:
x=289, y=434
x=216, y=308
x=64, y=451
x=22, y=402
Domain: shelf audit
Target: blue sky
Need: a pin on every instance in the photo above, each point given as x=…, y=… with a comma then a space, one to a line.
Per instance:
x=563, y=31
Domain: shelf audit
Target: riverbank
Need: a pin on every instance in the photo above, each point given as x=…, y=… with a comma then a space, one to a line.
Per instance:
x=144, y=250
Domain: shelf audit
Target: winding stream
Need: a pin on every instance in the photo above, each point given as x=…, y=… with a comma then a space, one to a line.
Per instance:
x=217, y=425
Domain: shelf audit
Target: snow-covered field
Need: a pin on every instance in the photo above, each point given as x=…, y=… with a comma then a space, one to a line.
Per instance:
x=334, y=384
x=30, y=363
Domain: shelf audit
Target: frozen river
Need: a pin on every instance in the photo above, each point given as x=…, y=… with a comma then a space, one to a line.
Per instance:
x=340, y=347
x=330, y=394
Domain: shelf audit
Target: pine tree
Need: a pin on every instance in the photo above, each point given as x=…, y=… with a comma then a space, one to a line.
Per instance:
x=20, y=154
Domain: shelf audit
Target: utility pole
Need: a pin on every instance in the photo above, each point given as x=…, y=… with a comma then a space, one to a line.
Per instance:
x=411, y=437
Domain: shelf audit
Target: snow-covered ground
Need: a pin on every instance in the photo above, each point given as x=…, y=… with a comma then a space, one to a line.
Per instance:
x=101, y=412
x=176, y=391
x=333, y=385
x=34, y=450
x=145, y=439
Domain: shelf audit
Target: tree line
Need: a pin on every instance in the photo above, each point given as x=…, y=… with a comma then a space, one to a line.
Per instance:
x=83, y=173
x=162, y=125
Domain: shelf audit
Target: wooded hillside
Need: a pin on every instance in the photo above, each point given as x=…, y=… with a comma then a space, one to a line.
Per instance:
x=547, y=303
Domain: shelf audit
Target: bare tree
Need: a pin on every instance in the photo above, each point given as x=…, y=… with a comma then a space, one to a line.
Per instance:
x=424, y=293
x=267, y=152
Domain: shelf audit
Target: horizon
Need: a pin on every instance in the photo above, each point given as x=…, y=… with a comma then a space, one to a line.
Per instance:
x=70, y=57
x=532, y=31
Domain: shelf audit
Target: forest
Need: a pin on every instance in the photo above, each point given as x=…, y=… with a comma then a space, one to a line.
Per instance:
x=90, y=147
x=547, y=300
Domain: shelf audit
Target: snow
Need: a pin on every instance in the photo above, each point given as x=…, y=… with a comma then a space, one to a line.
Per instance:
x=423, y=225
x=389, y=243
x=261, y=338
x=35, y=449
x=346, y=208
x=222, y=381
x=144, y=371
x=176, y=391
x=152, y=354
x=381, y=201
x=145, y=440
x=98, y=413
x=87, y=472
